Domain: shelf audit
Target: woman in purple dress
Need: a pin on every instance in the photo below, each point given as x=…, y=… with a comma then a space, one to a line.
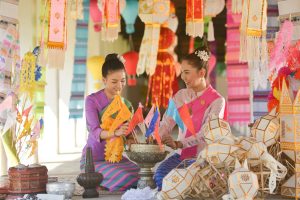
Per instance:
x=124, y=174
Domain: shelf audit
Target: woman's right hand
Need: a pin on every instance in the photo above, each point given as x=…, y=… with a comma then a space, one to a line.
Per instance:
x=121, y=130
x=168, y=140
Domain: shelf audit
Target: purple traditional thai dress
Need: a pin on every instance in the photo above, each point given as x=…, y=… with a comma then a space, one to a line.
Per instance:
x=202, y=105
x=117, y=176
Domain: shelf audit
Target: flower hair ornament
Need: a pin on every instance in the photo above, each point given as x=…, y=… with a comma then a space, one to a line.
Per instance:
x=121, y=59
x=203, y=55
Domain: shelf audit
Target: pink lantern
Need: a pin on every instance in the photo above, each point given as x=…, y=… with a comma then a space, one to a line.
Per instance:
x=131, y=60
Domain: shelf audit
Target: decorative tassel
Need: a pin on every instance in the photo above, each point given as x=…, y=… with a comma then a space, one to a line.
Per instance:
x=195, y=29
x=57, y=36
x=210, y=32
x=194, y=18
x=148, y=50
x=111, y=19
x=253, y=44
x=56, y=58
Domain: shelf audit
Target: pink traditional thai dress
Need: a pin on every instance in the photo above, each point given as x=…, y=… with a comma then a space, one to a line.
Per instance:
x=202, y=105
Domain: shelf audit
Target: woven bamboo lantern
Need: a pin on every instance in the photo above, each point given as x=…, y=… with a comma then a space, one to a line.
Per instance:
x=178, y=183
x=216, y=128
x=266, y=129
x=243, y=183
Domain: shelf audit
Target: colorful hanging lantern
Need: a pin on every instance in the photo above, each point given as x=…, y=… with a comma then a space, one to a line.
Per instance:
x=253, y=44
x=57, y=36
x=211, y=9
x=131, y=60
x=153, y=13
x=96, y=15
x=111, y=19
x=194, y=18
x=161, y=82
x=129, y=15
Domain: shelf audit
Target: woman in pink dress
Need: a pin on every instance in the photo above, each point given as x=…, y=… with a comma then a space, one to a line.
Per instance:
x=202, y=100
x=124, y=174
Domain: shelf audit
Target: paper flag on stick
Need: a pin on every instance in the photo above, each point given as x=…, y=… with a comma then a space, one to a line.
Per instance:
x=26, y=111
x=153, y=123
x=149, y=116
x=36, y=131
x=186, y=118
x=173, y=112
x=136, y=119
x=157, y=136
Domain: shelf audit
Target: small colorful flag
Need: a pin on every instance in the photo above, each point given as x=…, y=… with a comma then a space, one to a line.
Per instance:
x=186, y=118
x=149, y=116
x=173, y=112
x=136, y=119
x=157, y=136
x=153, y=123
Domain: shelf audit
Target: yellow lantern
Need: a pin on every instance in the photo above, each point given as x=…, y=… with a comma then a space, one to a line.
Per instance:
x=94, y=65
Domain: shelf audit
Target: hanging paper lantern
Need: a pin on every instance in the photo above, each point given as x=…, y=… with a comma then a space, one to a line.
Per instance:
x=161, y=82
x=153, y=13
x=111, y=19
x=129, y=15
x=253, y=44
x=212, y=8
x=194, y=18
x=131, y=60
x=57, y=36
x=96, y=15
x=94, y=65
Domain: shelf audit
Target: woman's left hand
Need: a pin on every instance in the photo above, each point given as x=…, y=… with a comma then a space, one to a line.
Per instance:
x=130, y=141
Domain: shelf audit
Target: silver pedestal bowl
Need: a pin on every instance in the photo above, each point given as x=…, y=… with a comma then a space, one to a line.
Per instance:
x=146, y=156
